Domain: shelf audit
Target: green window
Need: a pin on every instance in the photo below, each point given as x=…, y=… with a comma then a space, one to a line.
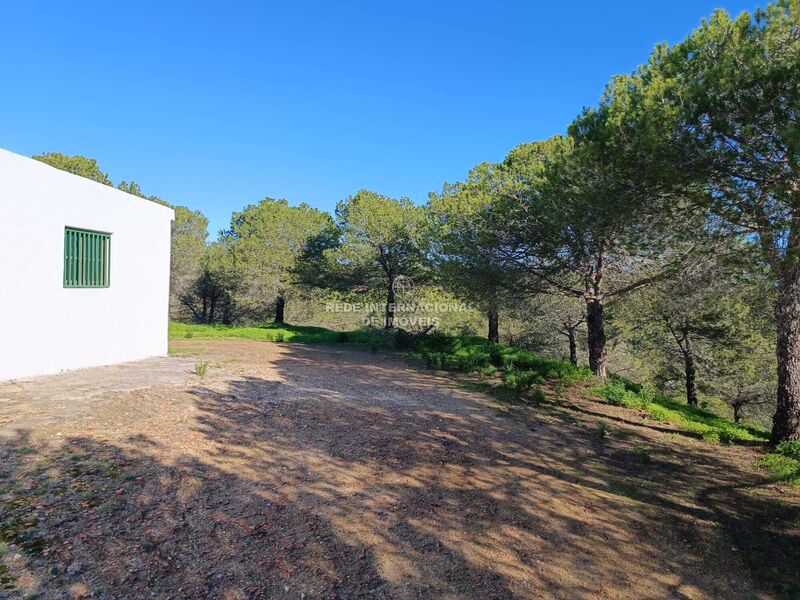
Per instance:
x=87, y=257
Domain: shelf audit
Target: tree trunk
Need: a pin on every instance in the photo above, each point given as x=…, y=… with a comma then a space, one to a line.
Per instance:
x=786, y=422
x=494, y=324
x=573, y=346
x=280, y=305
x=389, y=320
x=211, y=309
x=596, y=336
x=737, y=413
x=205, y=309
x=691, y=373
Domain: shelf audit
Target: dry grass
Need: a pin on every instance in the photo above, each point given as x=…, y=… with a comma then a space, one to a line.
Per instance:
x=309, y=470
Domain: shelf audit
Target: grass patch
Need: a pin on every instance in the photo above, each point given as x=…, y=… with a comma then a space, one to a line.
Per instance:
x=784, y=462
x=521, y=369
x=710, y=427
x=283, y=332
x=783, y=468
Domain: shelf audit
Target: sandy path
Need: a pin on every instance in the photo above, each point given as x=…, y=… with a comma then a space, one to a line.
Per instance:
x=297, y=471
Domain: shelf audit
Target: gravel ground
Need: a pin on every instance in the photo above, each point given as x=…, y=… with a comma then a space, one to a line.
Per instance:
x=293, y=471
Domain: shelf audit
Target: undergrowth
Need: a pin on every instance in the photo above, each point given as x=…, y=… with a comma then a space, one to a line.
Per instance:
x=784, y=462
x=521, y=371
x=710, y=427
x=370, y=339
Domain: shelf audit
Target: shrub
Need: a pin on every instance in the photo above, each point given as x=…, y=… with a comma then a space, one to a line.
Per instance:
x=659, y=413
x=496, y=356
x=617, y=392
x=790, y=449
x=613, y=392
x=438, y=341
x=189, y=334
x=726, y=436
x=704, y=424
x=536, y=395
x=201, y=368
x=279, y=337
x=342, y=337
x=488, y=371
x=782, y=467
x=643, y=455
x=469, y=354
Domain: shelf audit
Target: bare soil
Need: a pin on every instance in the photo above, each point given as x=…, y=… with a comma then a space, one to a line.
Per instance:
x=295, y=471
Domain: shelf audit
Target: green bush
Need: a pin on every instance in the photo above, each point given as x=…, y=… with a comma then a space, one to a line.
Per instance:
x=790, y=449
x=710, y=427
x=536, y=395
x=619, y=393
x=520, y=382
x=784, y=468
x=474, y=354
x=643, y=455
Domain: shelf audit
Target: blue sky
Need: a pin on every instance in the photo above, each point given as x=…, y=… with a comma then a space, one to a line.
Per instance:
x=216, y=105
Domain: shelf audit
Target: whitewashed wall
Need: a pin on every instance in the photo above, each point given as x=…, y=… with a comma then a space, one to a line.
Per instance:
x=47, y=328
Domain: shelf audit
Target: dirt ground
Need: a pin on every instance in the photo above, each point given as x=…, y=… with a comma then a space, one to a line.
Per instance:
x=296, y=471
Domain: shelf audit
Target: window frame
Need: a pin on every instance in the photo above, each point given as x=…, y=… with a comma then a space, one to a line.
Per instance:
x=86, y=258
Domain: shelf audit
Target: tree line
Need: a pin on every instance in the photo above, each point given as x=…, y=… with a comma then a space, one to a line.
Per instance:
x=664, y=226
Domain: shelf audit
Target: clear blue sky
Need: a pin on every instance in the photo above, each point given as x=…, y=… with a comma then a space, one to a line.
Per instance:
x=216, y=105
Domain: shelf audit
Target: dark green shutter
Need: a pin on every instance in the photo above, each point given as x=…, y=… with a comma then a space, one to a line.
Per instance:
x=87, y=258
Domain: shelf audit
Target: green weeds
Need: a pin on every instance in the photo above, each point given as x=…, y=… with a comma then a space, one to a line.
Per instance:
x=703, y=424
x=284, y=332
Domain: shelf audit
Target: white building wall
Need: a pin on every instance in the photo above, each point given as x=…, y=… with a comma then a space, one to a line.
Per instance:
x=47, y=328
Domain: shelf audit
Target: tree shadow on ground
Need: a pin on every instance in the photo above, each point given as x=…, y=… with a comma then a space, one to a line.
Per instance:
x=349, y=476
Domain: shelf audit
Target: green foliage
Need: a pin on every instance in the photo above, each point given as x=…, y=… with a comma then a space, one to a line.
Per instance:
x=522, y=369
x=363, y=338
x=265, y=243
x=783, y=468
x=77, y=165
x=642, y=454
x=789, y=448
x=521, y=382
x=715, y=123
x=536, y=395
x=714, y=323
x=464, y=236
x=188, y=249
x=707, y=425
